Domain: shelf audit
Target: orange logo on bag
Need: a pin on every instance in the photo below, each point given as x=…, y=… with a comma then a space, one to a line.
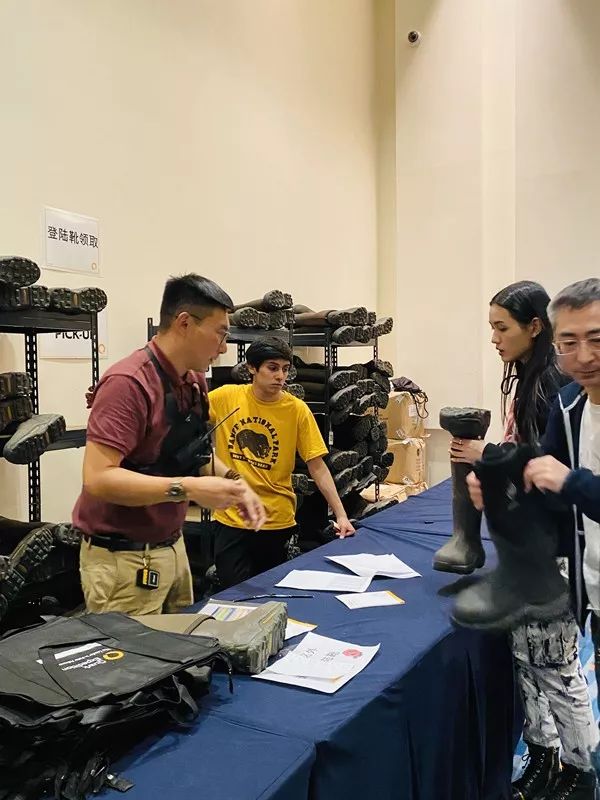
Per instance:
x=113, y=655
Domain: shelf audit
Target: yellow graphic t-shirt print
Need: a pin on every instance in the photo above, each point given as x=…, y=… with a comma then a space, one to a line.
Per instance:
x=255, y=440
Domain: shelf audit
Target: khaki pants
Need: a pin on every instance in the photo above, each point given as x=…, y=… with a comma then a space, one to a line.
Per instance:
x=109, y=580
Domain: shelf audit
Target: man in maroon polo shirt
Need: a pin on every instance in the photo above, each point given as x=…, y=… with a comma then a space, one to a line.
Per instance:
x=148, y=452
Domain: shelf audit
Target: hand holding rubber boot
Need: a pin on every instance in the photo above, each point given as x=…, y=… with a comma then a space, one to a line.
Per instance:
x=527, y=584
x=463, y=553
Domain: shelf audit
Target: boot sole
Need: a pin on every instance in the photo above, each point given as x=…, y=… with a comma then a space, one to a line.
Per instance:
x=276, y=320
x=33, y=437
x=343, y=335
x=338, y=462
x=458, y=569
x=385, y=367
x=528, y=613
x=250, y=318
x=338, y=319
x=273, y=300
x=363, y=334
x=18, y=409
x=14, y=384
x=340, y=380
x=296, y=390
x=14, y=298
x=31, y=551
x=343, y=398
x=288, y=303
x=17, y=271
x=74, y=301
x=383, y=326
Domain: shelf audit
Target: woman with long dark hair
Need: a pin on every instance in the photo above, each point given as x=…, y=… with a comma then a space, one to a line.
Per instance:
x=555, y=696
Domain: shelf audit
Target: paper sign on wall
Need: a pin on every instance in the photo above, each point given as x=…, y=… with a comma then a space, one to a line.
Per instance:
x=74, y=344
x=71, y=242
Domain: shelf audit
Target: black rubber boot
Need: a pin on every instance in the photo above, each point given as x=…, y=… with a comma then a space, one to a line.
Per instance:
x=365, y=386
x=380, y=505
x=382, y=326
x=377, y=365
x=463, y=553
x=572, y=784
x=363, y=333
x=296, y=390
x=527, y=584
x=343, y=335
x=300, y=483
x=14, y=384
x=33, y=437
x=343, y=398
x=17, y=271
x=382, y=381
x=271, y=301
x=74, y=301
x=33, y=548
x=248, y=317
x=277, y=319
x=539, y=775
x=342, y=379
x=15, y=298
x=14, y=411
x=240, y=373
x=340, y=416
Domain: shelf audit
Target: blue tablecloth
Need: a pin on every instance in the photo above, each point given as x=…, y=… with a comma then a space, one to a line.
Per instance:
x=218, y=760
x=431, y=718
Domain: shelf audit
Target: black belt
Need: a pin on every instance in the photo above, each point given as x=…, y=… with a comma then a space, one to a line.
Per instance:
x=116, y=542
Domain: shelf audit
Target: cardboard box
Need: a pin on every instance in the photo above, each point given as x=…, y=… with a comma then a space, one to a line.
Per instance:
x=409, y=461
x=415, y=488
x=386, y=491
x=403, y=416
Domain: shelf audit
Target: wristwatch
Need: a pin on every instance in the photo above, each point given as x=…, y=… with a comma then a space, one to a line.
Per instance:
x=176, y=493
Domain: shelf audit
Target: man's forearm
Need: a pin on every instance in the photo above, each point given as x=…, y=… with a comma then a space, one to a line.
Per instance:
x=127, y=488
x=322, y=477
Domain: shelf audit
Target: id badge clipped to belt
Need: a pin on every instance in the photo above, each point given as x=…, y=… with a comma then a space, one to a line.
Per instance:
x=147, y=578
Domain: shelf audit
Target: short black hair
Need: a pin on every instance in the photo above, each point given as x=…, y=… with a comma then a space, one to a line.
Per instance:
x=267, y=348
x=191, y=291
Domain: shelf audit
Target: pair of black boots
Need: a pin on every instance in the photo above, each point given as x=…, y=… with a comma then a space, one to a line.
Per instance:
x=545, y=779
x=527, y=583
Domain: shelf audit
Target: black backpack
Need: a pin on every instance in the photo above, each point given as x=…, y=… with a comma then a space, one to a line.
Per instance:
x=76, y=693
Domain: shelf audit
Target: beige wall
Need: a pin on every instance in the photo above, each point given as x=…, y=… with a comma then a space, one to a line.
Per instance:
x=497, y=163
x=233, y=138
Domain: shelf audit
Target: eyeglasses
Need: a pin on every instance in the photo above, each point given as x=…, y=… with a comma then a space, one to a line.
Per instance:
x=224, y=337
x=569, y=347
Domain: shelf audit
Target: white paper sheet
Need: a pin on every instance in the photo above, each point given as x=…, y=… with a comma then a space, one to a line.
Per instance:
x=316, y=581
x=351, y=658
x=294, y=628
x=369, y=565
x=370, y=599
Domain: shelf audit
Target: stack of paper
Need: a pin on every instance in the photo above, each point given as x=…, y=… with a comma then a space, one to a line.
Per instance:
x=320, y=663
x=369, y=565
x=370, y=599
x=324, y=581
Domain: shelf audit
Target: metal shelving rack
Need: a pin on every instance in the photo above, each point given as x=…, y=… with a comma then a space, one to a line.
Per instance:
x=30, y=323
x=303, y=337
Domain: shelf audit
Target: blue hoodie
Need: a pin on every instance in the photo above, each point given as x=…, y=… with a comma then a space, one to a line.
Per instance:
x=581, y=491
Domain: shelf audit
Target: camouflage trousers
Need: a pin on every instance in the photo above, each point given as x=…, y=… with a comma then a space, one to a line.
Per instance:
x=556, y=701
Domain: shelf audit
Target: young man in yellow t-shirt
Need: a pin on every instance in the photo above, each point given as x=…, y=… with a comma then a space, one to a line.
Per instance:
x=259, y=441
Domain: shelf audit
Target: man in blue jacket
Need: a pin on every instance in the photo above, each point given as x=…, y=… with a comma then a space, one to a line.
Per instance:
x=570, y=467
